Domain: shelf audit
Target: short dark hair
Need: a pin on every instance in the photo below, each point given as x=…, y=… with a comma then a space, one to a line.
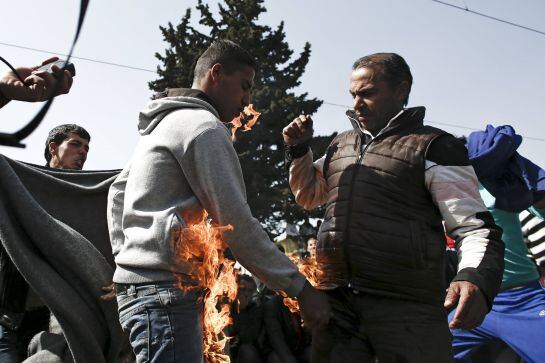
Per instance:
x=391, y=66
x=60, y=133
x=229, y=54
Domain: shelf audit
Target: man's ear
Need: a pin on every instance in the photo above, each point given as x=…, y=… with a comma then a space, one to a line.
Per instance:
x=216, y=72
x=53, y=148
x=403, y=90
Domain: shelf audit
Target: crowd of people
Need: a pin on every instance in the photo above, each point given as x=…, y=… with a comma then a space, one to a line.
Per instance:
x=392, y=188
x=264, y=329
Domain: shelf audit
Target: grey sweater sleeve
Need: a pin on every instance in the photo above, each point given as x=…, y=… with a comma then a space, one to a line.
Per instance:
x=116, y=196
x=212, y=168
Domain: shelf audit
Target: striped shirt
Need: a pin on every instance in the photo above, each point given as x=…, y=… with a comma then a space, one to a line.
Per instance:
x=533, y=230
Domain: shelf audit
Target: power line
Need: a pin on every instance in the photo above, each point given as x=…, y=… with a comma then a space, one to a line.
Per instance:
x=490, y=17
x=336, y=104
x=148, y=70
x=438, y=123
x=82, y=58
x=474, y=129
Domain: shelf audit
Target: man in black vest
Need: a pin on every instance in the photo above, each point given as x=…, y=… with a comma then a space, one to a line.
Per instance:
x=388, y=184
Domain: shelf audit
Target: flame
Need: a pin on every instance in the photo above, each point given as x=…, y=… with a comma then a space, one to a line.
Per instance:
x=200, y=246
x=308, y=267
x=247, y=119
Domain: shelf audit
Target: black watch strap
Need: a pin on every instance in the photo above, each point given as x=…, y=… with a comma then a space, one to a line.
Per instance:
x=296, y=151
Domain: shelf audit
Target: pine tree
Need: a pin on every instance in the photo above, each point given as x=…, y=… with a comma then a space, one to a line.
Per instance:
x=260, y=150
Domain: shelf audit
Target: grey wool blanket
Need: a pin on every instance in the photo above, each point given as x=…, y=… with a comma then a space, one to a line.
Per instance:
x=53, y=227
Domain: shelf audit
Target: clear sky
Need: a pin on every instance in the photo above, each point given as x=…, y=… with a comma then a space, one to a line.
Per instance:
x=468, y=70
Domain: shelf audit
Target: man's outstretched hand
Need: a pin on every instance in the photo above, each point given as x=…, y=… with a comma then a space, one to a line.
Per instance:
x=472, y=306
x=37, y=86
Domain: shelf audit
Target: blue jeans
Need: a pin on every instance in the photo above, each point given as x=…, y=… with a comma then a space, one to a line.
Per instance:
x=8, y=345
x=164, y=324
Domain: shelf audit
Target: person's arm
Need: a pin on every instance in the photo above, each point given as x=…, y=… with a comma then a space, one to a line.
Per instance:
x=37, y=86
x=306, y=178
x=454, y=188
x=307, y=181
x=540, y=206
x=212, y=168
x=533, y=230
x=115, y=207
x=538, y=209
x=3, y=99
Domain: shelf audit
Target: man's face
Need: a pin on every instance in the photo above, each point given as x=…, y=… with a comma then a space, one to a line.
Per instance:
x=375, y=101
x=233, y=92
x=311, y=247
x=245, y=292
x=69, y=154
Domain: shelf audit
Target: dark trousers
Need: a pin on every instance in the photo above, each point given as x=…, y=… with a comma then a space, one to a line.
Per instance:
x=14, y=344
x=366, y=327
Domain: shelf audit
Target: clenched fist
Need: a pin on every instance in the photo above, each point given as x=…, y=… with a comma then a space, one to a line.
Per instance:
x=298, y=131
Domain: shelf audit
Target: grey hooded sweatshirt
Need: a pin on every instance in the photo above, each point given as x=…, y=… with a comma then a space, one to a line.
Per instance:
x=185, y=162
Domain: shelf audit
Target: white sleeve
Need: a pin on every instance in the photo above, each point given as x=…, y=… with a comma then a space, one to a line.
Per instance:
x=307, y=181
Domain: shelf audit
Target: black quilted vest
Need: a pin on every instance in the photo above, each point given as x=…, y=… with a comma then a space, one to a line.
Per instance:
x=381, y=233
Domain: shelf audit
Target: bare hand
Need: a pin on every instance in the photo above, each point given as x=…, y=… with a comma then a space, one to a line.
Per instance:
x=315, y=308
x=472, y=307
x=109, y=293
x=38, y=86
x=298, y=131
x=540, y=204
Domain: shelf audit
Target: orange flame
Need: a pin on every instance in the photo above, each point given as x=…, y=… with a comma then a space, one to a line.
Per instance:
x=308, y=267
x=200, y=246
x=247, y=119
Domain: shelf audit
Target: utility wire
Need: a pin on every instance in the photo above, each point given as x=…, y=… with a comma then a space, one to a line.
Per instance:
x=336, y=104
x=148, y=70
x=82, y=58
x=489, y=17
x=437, y=122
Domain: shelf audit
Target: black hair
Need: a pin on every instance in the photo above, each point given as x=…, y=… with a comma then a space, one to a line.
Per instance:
x=229, y=54
x=391, y=66
x=247, y=278
x=61, y=133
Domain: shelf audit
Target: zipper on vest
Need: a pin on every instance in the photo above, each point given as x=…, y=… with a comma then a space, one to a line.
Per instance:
x=361, y=153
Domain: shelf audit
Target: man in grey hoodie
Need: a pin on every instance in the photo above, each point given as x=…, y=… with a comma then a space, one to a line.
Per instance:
x=185, y=162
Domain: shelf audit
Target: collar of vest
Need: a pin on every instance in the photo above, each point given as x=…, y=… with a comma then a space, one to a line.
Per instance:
x=410, y=118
